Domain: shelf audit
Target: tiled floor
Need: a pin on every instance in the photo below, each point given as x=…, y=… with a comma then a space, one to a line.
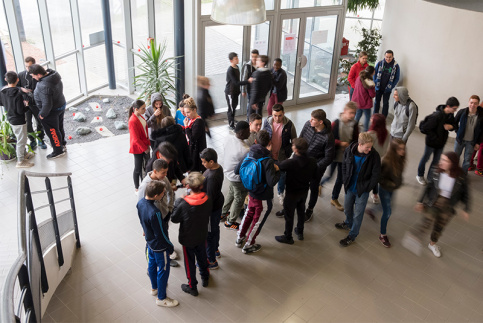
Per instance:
x=311, y=281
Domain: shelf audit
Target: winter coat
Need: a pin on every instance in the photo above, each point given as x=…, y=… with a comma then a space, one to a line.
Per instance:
x=288, y=133
x=261, y=85
x=393, y=78
x=436, y=135
x=369, y=173
x=321, y=144
x=247, y=71
x=390, y=179
x=460, y=121
x=48, y=94
x=154, y=228
x=280, y=84
x=174, y=135
x=12, y=99
x=26, y=81
x=363, y=93
x=300, y=169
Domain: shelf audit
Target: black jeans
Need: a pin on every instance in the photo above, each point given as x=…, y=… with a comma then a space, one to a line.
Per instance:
x=33, y=111
x=314, y=188
x=139, y=168
x=385, y=102
x=258, y=109
x=294, y=201
x=232, y=102
x=54, y=128
x=191, y=256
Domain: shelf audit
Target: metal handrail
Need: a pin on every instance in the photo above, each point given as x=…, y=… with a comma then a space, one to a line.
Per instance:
x=6, y=299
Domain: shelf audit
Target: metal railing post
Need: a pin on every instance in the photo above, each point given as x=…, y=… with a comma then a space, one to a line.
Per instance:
x=74, y=214
x=53, y=213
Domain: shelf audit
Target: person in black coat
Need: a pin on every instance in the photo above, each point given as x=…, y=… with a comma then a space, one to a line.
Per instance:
x=195, y=131
x=261, y=84
x=193, y=214
x=232, y=88
x=206, y=108
x=279, y=92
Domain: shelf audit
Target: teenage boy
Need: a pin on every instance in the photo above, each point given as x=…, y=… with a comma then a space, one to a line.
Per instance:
x=386, y=78
x=168, y=152
x=355, y=70
x=255, y=123
x=166, y=204
x=299, y=169
x=212, y=187
x=278, y=93
x=251, y=224
x=158, y=244
x=11, y=98
x=282, y=131
x=193, y=214
x=436, y=126
x=50, y=100
x=469, y=134
x=361, y=167
x=235, y=149
x=261, y=85
x=27, y=84
x=405, y=114
x=346, y=131
x=232, y=89
x=317, y=132
x=247, y=71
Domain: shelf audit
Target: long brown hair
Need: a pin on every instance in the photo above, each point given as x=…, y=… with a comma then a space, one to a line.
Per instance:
x=391, y=157
x=455, y=170
x=135, y=105
x=161, y=116
x=378, y=125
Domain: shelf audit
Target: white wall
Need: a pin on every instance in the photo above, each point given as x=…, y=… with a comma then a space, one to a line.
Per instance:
x=439, y=50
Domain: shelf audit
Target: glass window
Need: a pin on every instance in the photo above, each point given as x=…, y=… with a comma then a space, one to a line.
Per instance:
x=165, y=24
x=67, y=68
x=379, y=12
x=139, y=16
x=352, y=30
x=288, y=51
x=259, y=37
x=60, y=18
x=96, y=67
x=120, y=65
x=117, y=21
x=28, y=22
x=6, y=43
x=292, y=4
x=91, y=20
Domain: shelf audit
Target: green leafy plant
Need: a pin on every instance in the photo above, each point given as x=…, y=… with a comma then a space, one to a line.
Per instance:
x=345, y=65
x=371, y=39
x=157, y=73
x=357, y=5
x=7, y=139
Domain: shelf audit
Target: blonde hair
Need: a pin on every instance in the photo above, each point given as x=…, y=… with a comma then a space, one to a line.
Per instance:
x=195, y=180
x=351, y=105
x=190, y=104
x=365, y=138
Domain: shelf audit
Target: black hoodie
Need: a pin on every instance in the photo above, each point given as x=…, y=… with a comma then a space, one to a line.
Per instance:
x=174, y=135
x=437, y=136
x=11, y=98
x=49, y=94
x=262, y=84
x=321, y=144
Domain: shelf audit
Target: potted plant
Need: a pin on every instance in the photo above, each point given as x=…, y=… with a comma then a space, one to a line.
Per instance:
x=7, y=140
x=356, y=5
x=157, y=73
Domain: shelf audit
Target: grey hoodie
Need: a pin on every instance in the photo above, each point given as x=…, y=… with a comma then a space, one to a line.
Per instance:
x=402, y=126
x=149, y=114
x=166, y=204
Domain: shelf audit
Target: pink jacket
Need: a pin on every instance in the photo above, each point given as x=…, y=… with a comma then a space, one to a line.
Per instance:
x=362, y=96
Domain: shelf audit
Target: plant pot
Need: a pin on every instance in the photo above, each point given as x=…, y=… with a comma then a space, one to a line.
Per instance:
x=7, y=158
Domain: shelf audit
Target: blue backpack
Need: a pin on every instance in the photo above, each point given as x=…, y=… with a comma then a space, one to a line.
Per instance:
x=251, y=172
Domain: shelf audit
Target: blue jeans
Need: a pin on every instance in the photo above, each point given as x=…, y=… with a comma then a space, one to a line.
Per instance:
x=367, y=117
x=158, y=270
x=427, y=153
x=385, y=102
x=338, y=182
x=469, y=149
x=386, y=198
x=354, y=207
x=350, y=93
x=325, y=179
x=281, y=182
x=213, y=238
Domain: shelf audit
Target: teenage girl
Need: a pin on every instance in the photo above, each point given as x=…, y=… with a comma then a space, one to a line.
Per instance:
x=138, y=139
x=195, y=133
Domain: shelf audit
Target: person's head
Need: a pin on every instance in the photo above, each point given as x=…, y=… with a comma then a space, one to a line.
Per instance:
x=158, y=104
x=11, y=77
x=181, y=104
x=195, y=181
x=396, y=96
x=263, y=138
x=262, y=61
x=363, y=58
x=349, y=112
x=155, y=190
x=474, y=102
x=190, y=108
x=167, y=121
x=255, y=122
x=167, y=151
x=277, y=64
x=203, y=82
x=368, y=72
x=253, y=56
x=377, y=121
x=209, y=158
x=388, y=56
x=452, y=105
x=278, y=113
x=449, y=163
x=365, y=143
x=300, y=146
x=37, y=71
x=396, y=154
x=317, y=118
x=160, y=169
x=138, y=107
x=29, y=61
x=242, y=130
x=233, y=57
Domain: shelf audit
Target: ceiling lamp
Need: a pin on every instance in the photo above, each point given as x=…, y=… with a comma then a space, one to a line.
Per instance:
x=239, y=12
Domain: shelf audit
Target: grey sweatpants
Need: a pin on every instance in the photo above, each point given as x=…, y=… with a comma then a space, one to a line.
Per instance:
x=20, y=133
x=234, y=200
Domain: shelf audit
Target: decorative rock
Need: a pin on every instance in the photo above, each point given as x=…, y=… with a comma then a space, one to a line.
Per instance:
x=87, y=109
x=111, y=114
x=95, y=106
x=81, y=131
x=80, y=117
x=106, y=100
x=120, y=125
x=97, y=120
x=103, y=131
x=73, y=109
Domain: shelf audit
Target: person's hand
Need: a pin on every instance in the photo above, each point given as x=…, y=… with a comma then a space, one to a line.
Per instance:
x=344, y=144
x=183, y=181
x=40, y=117
x=24, y=90
x=250, y=80
x=26, y=103
x=254, y=107
x=157, y=112
x=144, y=234
x=276, y=167
x=244, y=94
x=465, y=216
x=477, y=147
x=448, y=127
x=174, y=187
x=186, y=121
x=419, y=207
x=147, y=151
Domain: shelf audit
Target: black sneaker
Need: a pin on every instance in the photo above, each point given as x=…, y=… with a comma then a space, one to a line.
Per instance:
x=173, y=263
x=308, y=215
x=284, y=239
x=251, y=249
x=224, y=216
x=280, y=214
x=342, y=226
x=300, y=236
x=33, y=145
x=187, y=289
x=346, y=241
x=205, y=281
x=42, y=144
x=55, y=155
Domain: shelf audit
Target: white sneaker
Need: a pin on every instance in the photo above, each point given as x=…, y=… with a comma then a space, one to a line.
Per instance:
x=24, y=164
x=167, y=302
x=375, y=199
x=435, y=249
x=173, y=256
x=421, y=180
x=281, y=197
x=154, y=292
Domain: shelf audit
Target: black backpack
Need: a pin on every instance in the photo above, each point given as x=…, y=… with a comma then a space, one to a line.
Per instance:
x=422, y=124
x=407, y=109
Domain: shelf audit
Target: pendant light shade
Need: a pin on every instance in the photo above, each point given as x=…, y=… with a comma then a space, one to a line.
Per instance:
x=239, y=12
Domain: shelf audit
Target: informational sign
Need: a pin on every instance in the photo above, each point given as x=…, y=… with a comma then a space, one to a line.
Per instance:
x=289, y=43
x=262, y=46
x=319, y=37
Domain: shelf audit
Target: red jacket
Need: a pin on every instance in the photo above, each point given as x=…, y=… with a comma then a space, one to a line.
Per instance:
x=354, y=73
x=362, y=96
x=138, y=140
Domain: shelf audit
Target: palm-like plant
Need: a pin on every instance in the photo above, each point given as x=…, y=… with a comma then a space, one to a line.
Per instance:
x=157, y=73
x=7, y=139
